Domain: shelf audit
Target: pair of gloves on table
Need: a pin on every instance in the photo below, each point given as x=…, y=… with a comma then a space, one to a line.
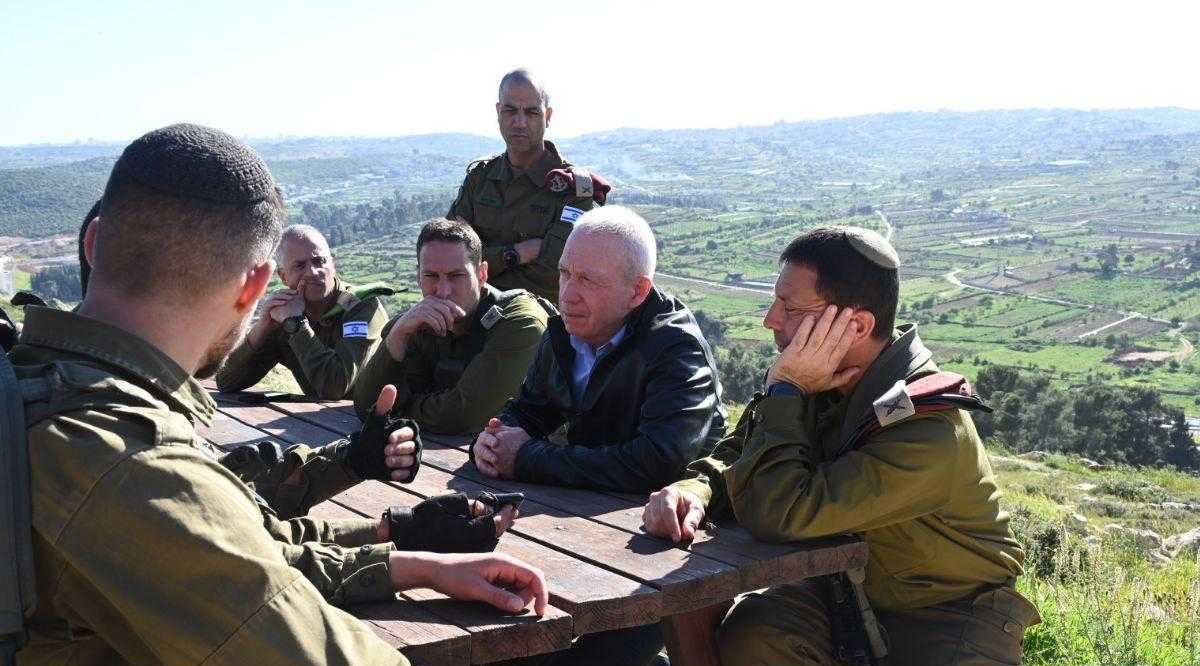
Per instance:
x=441, y=524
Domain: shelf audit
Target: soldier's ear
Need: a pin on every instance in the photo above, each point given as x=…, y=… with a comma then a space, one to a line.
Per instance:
x=89, y=241
x=549, y=112
x=254, y=285
x=866, y=324
x=483, y=272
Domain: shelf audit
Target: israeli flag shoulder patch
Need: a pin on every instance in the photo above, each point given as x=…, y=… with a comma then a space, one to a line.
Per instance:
x=354, y=329
x=570, y=214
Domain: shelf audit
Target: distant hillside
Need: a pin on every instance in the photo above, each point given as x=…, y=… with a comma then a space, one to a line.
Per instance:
x=52, y=199
x=44, y=189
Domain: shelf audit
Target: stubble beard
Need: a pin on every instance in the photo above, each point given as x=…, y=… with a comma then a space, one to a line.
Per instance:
x=216, y=354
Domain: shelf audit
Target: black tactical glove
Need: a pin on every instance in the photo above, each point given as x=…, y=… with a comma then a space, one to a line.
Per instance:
x=366, y=447
x=250, y=461
x=444, y=524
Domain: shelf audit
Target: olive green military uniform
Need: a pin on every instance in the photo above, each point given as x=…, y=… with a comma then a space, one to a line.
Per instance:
x=506, y=206
x=149, y=551
x=324, y=471
x=942, y=559
x=453, y=384
x=325, y=355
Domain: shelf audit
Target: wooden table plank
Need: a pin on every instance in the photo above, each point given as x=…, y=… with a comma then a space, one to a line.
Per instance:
x=687, y=580
x=279, y=424
x=495, y=636
x=227, y=432
x=597, y=598
x=759, y=564
x=336, y=415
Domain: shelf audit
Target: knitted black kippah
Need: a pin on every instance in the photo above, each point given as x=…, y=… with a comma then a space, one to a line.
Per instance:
x=194, y=162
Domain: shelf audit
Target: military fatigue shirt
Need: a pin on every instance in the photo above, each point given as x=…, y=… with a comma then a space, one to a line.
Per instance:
x=147, y=550
x=921, y=491
x=325, y=356
x=506, y=206
x=324, y=471
x=453, y=384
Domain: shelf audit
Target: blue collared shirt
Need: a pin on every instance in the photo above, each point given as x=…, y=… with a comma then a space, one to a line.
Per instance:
x=585, y=360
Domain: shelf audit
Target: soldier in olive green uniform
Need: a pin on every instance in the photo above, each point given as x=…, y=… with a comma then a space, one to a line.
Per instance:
x=523, y=202
x=452, y=380
x=146, y=549
x=915, y=482
x=320, y=328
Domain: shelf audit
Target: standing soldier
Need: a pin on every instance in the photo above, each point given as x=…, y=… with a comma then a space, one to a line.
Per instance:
x=320, y=328
x=523, y=202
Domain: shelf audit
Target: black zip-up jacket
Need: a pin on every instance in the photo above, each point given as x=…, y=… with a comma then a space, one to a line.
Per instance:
x=651, y=406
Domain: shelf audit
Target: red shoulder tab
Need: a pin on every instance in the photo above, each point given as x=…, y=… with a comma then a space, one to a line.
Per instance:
x=939, y=383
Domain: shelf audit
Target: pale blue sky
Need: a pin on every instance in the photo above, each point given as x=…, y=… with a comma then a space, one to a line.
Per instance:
x=112, y=70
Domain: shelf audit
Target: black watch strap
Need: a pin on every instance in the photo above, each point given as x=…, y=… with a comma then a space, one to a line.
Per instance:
x=512, y=258
x=292, y=325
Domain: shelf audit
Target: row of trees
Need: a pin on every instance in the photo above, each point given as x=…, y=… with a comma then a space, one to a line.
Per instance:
x=345, y=223
x=61, y=282
x=1103, y=422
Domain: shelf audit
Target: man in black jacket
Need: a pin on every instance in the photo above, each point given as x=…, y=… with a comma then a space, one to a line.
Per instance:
x=625, y=367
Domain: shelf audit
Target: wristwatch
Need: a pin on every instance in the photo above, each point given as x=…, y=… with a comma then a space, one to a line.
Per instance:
x=293, y=324
x=512, y=258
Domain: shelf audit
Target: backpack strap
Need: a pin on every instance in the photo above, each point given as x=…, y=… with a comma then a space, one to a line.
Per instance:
x=935, y=392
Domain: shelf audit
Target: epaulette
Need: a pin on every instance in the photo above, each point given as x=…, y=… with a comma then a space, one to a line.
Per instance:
x=481, y=162
x=936, y=392
x=494, y=314
x=352, y=296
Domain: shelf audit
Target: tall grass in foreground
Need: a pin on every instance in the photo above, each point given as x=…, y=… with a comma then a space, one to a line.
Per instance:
x=1102, y=603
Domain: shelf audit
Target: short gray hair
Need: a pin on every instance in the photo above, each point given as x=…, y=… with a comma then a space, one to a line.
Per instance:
x=627, y=228
x=522, y=75
x=297, y=232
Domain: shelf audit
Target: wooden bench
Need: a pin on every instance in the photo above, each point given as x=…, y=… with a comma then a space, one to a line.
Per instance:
x=603, y=572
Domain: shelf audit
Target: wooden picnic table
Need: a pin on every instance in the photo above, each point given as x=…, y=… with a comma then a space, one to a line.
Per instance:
x=603, y=572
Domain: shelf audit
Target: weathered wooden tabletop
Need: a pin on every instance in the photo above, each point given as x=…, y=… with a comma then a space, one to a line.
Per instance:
x=602, y=570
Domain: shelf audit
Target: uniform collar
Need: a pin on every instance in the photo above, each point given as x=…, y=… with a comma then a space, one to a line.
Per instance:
x=109, y=345
x=536, y=173
x=903, y=356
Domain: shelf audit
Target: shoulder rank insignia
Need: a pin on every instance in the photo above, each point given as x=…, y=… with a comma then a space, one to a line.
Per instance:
x=352, y=296
x=489, y=318
x=894, y=405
